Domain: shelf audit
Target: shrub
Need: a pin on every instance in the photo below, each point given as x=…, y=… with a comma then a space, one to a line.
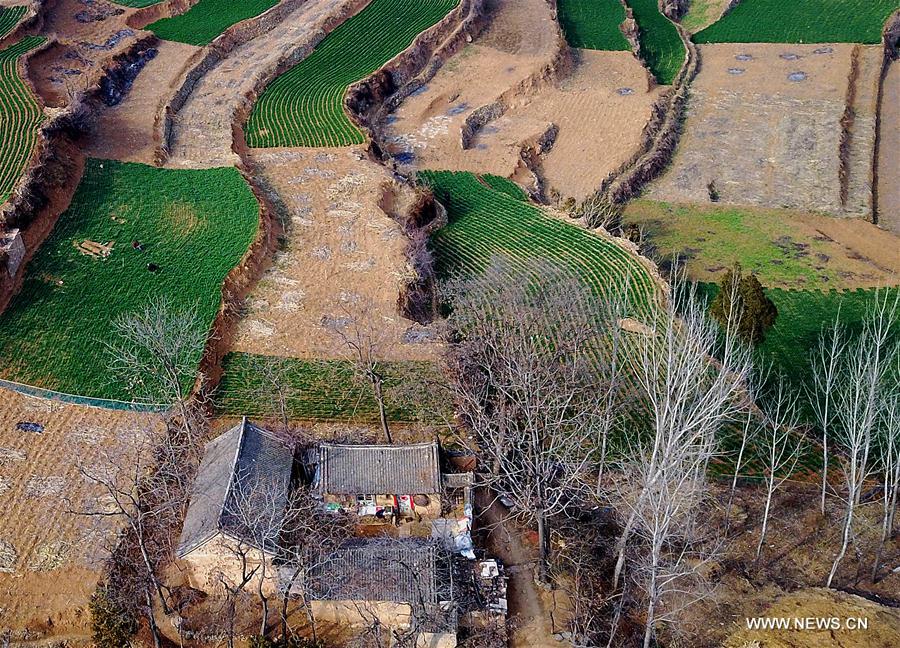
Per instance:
x=757, y=313
x=112, y=626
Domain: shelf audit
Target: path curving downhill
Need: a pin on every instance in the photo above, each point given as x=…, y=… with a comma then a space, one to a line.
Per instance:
x=202, y=130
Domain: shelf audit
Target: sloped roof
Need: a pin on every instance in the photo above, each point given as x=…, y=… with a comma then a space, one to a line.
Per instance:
x=379, y=469
x=246, y=467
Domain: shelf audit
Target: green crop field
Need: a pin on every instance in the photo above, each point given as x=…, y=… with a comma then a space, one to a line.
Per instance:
x=484, y=222
x=593, y=24
x=328, y=390
x=504, y=185
x=207, y=19
x=661, y=46
x=305, y=105
x=20, y=116
x=9, y=18
x=137, y=4
x=801, y=21
x=194, y=225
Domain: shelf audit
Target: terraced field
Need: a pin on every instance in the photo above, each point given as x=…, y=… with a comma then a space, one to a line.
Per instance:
x=9, y=18
x=137, y=4
x=484, y=222
x=800, y=21
x=193, y=225
x=593, y=24
x=207, y=19
x=305, y=105
x=327, y=390
x=20, y=116
x=661, y=46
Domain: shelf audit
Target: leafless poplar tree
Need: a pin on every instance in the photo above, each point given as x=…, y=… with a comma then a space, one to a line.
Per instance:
x=780, y=446
x=156, y=355
x=888, y=447
x=826, y=362
x=692, y=386
x=528, y=382
x=862, y=392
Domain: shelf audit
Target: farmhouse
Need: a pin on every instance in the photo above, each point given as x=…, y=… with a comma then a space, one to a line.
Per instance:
x=244, y=470
x=381, y=483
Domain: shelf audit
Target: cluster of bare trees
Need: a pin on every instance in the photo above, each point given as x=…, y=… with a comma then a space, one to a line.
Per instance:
x=569, y=407
x=854, y=394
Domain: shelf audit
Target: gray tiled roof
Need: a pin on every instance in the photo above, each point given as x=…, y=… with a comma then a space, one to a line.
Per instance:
x=245, y=463
x=401, y=571
x=380, y=469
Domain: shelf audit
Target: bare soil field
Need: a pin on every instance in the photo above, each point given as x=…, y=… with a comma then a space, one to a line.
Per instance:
x=202, y=130
x=88, y=35
x=888, y=161
x=125, y=132
x=764, y=124
x=50, y=556
x=600, y=108
x=343, y=258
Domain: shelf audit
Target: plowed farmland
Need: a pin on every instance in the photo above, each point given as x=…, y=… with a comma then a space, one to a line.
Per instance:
x=305, y=105
x=9, y=18
x=20, y=116
x=207, y=19
x=484, y=223
x=801, y=21
x=593, y=24
x=132, y=232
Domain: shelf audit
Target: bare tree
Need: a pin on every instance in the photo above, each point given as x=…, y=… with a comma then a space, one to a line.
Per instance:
x=780, y=446
x=274, y=387
x=527, y=380
x=365, y=344
x=826, y=361
x=861, y=396
x=156, y=355
x=692, y=382
x=143, y=487
x=888, y=447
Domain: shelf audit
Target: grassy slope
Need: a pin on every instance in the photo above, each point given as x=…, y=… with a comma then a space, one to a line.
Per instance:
x=196, y=225
x=20, y=116
x=661, y=47
x=137, y=4
x=781, y=249
x=485, y=222
x=593, y=24
x=207, y=19
x=801, y=21
x=305, y=105
x=9, y=18
x=328, y=390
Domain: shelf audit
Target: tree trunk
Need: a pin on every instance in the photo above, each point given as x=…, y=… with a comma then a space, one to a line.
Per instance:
x=544, y=546
x=151, y=618
x=848, y=521
x=824, y=470
x=382, y=414
x=765, y=523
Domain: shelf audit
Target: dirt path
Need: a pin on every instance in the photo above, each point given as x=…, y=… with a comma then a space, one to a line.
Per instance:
x=201, y=133
x=125, y=132
x=528, y=619
x=888, y=156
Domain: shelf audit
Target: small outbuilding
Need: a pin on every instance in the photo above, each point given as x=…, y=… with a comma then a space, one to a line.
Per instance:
x=237, y=504
x=381, y=483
